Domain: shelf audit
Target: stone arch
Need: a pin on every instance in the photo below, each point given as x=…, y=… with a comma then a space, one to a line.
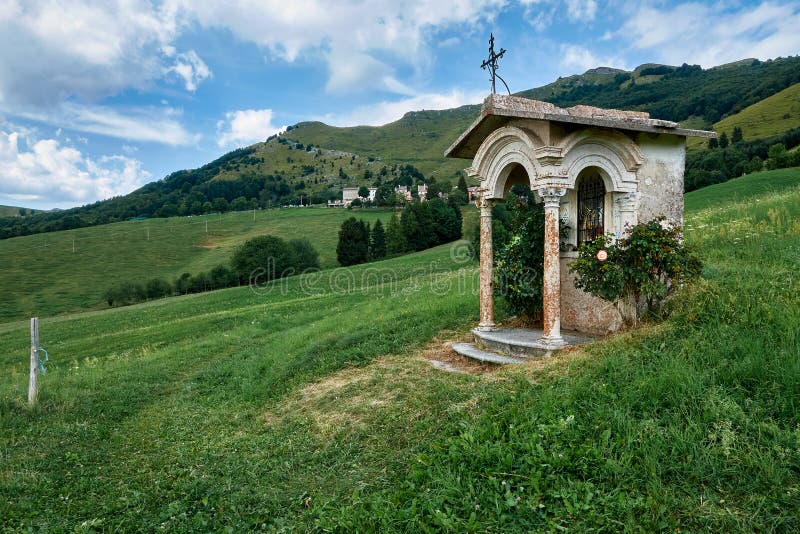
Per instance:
x=499, y=155
x=613, y=153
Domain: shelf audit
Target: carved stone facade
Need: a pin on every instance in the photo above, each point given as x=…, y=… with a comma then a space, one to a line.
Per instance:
x=597, y=170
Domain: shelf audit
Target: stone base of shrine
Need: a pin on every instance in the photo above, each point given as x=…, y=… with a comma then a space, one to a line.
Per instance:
x=513, y=345
x=582, y=312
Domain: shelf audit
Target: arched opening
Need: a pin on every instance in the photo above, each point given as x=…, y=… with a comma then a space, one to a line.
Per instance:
x=517, y=175
x=591, y=205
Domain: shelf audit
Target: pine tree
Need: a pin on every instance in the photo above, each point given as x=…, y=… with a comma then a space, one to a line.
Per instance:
x=353, y=246
x=462, y=184
x=723, y=140
x=395, y=239
x=737, y=135
x=713, y=143
x=378, y=240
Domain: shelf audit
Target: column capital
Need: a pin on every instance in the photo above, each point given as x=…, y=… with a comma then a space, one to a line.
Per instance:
x=484, y=203
x=551, y=195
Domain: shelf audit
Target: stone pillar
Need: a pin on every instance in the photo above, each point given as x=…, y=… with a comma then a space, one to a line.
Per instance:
x=486, y=273
x=551, y=290
x=626, y=204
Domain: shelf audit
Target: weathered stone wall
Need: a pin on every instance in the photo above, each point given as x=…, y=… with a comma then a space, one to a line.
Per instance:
x=661, y=177
x=583, y=312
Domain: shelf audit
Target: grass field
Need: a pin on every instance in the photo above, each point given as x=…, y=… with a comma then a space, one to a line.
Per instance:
x=770, y=117
x=57, y=272
x=313, y=407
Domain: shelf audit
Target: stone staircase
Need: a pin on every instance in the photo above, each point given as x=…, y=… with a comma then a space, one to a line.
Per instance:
x=511, y=345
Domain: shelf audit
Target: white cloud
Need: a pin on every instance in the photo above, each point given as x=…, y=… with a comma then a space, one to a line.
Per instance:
x=583, y=10
x=245, y=127
x=47, y=174
x=712, y=34
x=583, y=59
x=157, y=125
x=190, y=68
x=358, y=40
x=53, y=51
x=388, y=111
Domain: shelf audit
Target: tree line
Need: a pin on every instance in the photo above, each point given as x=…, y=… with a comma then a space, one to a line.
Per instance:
x=419, y=226
x=727, y=158
x=259, y=260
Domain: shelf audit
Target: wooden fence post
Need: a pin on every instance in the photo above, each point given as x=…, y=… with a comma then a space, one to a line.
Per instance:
x=33, y=387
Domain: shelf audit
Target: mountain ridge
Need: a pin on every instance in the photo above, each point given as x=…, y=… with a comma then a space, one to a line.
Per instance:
x=313, y=161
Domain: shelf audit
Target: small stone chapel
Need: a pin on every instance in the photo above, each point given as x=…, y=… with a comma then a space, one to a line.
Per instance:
x=597, y=170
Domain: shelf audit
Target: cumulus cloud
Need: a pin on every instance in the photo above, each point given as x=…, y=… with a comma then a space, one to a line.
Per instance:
x=48, y=174
x=360, y=41
x=53, y=51
x=713, y=34
x=388, y=111
x=245, y=127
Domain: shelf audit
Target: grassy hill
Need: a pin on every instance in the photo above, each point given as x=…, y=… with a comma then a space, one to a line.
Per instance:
x=767, y=118
x=13, y=211
x=313, y=407
x=48, y=274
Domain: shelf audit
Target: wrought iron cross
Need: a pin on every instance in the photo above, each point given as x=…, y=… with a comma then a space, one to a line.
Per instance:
x=491, y=64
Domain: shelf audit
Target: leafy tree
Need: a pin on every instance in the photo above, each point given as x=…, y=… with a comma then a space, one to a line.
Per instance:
x=222, y=277
x=378, y=241
x=265, y=257
x=157, y=288
x=778, y=157
x=395, y=238
x=221, y=205
x=640, y=271
x=353, y=246
x=363, y=192
x=306, y=256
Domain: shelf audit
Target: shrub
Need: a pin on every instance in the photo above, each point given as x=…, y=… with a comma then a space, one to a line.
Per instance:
x=641, y=270
x=269, y=256
x=519, y=262
x=157, y=288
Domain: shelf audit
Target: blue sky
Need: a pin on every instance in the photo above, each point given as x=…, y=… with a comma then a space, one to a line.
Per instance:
x=100, y=97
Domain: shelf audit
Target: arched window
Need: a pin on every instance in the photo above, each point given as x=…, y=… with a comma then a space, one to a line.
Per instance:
x=591, y=196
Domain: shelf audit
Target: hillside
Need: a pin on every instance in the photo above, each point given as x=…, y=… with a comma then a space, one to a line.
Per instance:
x=15, y=211
x=311, y=162
x=767, y=118
x=46, y=275
x=317, y=408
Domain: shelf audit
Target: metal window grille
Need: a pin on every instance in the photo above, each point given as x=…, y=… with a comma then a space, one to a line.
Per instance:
x=591, y=194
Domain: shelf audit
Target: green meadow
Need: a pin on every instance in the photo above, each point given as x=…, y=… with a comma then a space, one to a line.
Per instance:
x=57, y=272
x=312, y=405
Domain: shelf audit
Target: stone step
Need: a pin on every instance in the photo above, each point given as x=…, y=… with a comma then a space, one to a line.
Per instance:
x=471, y=351
x=520, y=342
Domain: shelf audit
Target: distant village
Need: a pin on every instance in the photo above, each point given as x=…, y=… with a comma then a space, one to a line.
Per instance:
x=350, y=194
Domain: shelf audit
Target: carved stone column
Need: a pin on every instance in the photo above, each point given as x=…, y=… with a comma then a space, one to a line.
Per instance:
x=626, y=205
x=551, y=290
x=487, y=266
